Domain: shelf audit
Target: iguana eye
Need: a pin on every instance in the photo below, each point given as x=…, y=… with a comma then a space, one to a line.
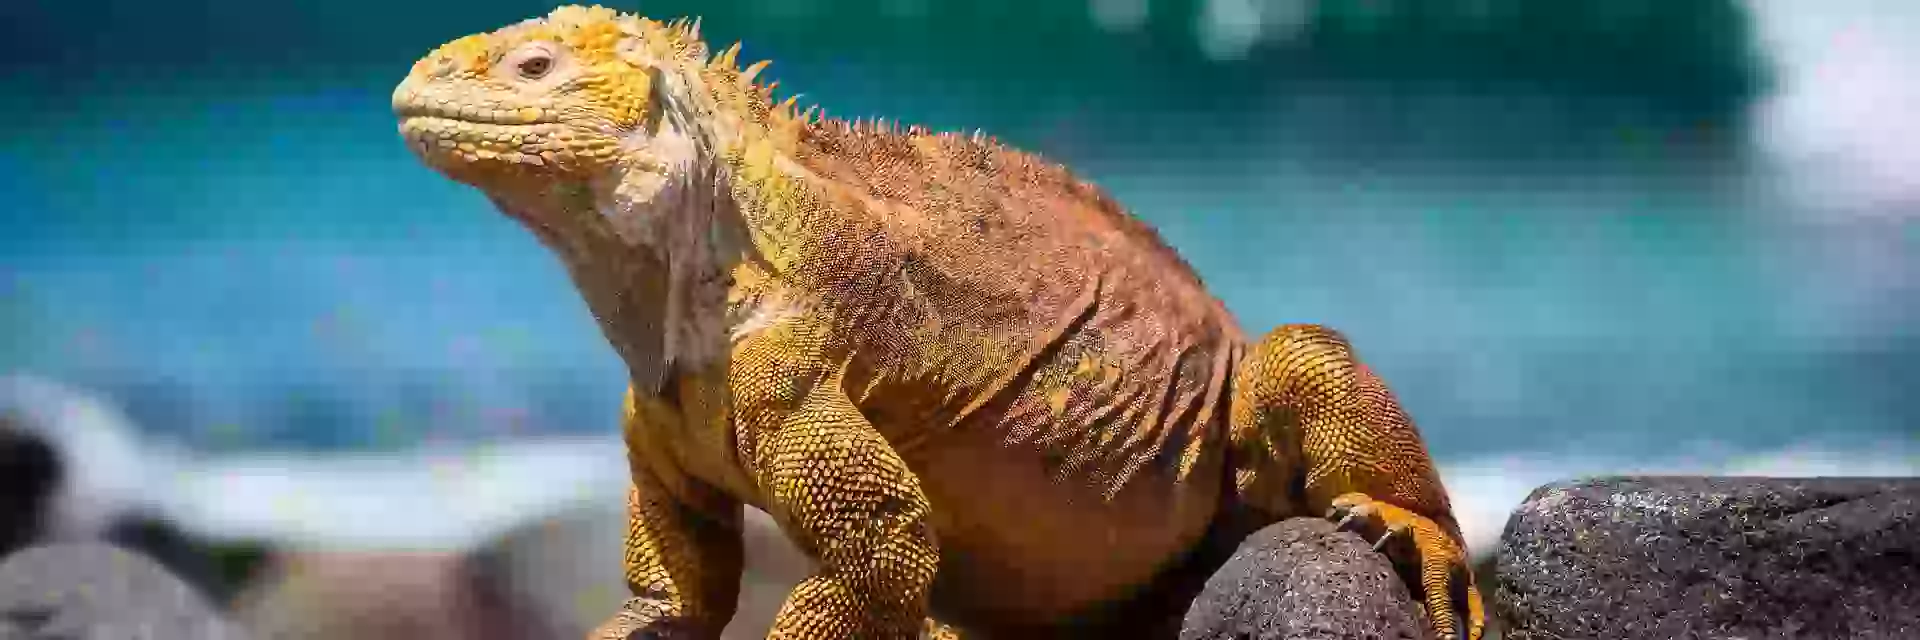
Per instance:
x=535, y=66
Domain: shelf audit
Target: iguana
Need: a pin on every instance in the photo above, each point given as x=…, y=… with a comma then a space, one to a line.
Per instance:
x=976, y=391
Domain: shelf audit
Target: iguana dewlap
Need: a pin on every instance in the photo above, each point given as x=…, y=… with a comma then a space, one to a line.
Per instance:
x=967, y=383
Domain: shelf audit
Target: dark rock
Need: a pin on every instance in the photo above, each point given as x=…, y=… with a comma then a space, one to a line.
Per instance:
x=185, y=555
x=1484, y=566
x=86, y=591
x=31, y=470
x=1302, y=579
x=1688, y=557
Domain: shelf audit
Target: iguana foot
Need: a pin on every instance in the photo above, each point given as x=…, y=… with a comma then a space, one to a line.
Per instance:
x=937, y=630
x=641, y=619
x=1417, y=544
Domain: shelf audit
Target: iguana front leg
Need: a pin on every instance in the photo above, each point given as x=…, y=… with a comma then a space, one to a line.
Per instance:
x=684, y=552
x=838, y=488
x=1305, y=405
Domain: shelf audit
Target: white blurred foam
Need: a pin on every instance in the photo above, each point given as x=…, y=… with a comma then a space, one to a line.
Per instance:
x=437, y=499
x=108, y=470
x=1842, y=125
x=455, y=498
x=1228, y=29
x=1118, y=15
x=442, y=498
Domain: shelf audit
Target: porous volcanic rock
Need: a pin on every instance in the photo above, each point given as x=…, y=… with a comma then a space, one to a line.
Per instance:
x=1628, y=558
x=1301, y=579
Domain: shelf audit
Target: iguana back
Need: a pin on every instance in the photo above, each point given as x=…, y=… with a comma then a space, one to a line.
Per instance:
x=987, y=288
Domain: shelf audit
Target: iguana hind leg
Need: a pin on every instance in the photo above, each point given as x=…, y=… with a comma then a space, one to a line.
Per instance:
x=1307, y=411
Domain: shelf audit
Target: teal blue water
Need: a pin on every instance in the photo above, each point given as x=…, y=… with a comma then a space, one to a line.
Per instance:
x=1548, y=235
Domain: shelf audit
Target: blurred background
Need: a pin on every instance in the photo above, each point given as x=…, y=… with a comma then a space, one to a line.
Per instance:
x=1575, y=236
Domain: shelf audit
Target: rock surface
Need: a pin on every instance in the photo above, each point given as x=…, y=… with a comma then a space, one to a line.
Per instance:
x=1301, y=579
x=96, y=591
x=563, y=572
x=381, y=595
x=1690, y=557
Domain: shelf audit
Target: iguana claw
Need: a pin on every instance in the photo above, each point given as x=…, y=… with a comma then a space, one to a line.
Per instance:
x=1350, y=517
x=1416, y=544
x=1386, y=537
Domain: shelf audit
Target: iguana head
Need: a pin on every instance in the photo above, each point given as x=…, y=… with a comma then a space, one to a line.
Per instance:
x=601, y=132
x=565, y=97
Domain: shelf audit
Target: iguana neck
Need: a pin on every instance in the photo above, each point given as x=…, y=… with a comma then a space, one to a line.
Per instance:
x=654, y=246
x=625, y=286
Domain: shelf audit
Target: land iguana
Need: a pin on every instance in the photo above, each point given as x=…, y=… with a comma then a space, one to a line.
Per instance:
x=976, y=391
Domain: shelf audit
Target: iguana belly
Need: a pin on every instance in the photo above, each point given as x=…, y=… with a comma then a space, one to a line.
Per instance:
x=1077, y=472
x=1023, y=543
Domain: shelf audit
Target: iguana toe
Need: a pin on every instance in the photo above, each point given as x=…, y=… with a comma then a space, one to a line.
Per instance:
x=1418, y=546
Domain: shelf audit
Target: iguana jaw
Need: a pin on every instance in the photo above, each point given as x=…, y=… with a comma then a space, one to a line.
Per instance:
x=490, y=154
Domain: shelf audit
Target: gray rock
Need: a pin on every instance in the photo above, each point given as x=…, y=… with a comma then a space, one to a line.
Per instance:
x=100, y=592
x=563, y=573
x=1689, y=557
x=1302, y=579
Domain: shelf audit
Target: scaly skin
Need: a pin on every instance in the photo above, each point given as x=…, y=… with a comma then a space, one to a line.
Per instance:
x=964, y=381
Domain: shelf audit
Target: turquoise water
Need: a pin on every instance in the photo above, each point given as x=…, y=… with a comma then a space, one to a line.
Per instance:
x=211, y=218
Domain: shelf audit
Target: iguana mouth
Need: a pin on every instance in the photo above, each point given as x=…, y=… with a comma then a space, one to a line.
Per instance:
x=435, y=136
x=442, y=130
x=416, y=104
